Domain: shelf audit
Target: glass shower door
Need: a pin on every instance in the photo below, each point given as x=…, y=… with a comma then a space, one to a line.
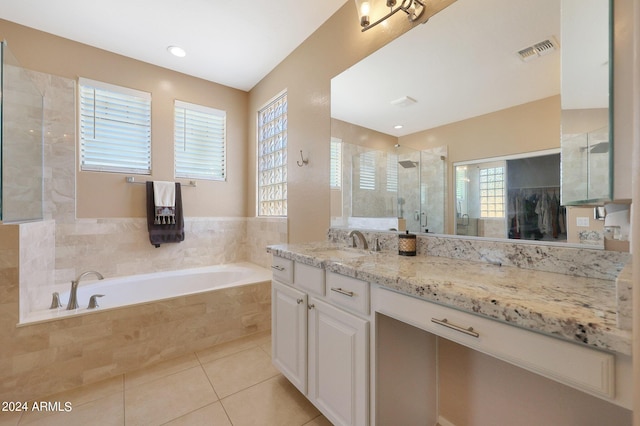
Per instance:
x=21, y=139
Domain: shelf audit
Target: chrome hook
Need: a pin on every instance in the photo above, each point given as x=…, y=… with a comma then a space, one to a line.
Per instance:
x=304, y=161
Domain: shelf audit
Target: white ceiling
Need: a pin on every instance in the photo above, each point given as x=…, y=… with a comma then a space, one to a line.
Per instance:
x=234, y=43
x=462, y=63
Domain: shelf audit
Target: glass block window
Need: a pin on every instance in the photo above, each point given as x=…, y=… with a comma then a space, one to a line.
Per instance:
x=115, y=128
x=492, y=192
x=199, y=142
x=335, y=173
x=272, y=158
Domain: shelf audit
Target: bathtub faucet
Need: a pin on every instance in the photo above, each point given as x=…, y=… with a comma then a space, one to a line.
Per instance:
x=73, y=298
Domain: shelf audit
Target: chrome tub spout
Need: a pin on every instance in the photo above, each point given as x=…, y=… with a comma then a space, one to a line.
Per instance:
x=73, y=295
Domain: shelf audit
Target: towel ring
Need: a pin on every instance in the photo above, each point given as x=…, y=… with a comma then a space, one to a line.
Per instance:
x=304, y=161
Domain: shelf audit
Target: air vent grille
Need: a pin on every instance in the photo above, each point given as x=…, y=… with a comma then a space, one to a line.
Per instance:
x=539, y=49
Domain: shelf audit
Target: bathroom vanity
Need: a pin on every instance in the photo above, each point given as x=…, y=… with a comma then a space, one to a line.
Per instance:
x=356, y=331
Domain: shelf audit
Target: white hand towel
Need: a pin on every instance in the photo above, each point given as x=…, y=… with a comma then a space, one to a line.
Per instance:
x=164, y=198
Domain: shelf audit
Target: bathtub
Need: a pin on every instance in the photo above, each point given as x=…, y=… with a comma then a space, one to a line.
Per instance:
x=133, y=290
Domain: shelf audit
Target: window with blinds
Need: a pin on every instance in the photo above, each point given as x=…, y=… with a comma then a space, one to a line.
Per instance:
x=115, y=128
x=335, y=174
x=392, y=173
x=199, y=142
x=368, y=170
x=272, y=158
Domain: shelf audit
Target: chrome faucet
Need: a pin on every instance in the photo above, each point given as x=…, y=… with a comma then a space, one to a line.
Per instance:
x=355, y=233
x=73, y=295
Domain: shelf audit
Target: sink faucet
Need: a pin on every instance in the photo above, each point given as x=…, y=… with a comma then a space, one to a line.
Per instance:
x=73, y=298
x=363, y=241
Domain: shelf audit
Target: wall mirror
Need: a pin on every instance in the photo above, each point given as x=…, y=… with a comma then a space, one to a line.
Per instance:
x=480, y=82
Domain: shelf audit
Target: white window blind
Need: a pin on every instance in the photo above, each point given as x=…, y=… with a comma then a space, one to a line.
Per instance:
x=272, y=158
x=115, y=128
x=368, y=170
x=335, y=174
x=199, y=142
x=392, y=173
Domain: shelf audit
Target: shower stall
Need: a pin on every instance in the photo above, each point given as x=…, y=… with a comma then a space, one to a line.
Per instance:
x=392, y=188
x=21, y=142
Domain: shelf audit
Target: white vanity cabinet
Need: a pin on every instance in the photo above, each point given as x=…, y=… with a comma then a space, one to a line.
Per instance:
x=322, y=349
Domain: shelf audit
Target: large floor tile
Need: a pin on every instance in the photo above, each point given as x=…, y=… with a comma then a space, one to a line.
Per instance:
x=159, y=370
x=168, y=398
x=225, y=349
x=239, y=371
x=107, y=411
x=10, y=418
x=274, y=402
x=212, y=414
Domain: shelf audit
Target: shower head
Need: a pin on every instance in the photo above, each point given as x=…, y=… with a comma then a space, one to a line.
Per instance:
x=408, y=164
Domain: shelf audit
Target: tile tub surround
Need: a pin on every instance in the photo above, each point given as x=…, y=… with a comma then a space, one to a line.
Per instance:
x=45, y=358
x=579, y=309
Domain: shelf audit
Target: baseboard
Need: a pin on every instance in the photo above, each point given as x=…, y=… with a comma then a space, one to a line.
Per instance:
x=444, y=422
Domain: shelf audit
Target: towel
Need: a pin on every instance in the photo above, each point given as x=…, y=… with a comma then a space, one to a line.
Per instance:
x=164, y=198
x=170, y=232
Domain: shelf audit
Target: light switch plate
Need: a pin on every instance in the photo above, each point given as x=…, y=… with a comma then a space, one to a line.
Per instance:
x=582, y=221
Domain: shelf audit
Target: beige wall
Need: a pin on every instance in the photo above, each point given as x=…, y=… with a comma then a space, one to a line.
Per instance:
x=358, y=135
x=529, y=127
x=306, y=75
x=107, y=194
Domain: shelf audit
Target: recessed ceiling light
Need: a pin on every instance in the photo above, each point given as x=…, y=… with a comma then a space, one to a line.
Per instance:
x=398, y=126
x=177, y=51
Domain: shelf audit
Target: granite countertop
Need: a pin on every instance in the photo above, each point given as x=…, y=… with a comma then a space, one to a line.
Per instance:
x=582, y=310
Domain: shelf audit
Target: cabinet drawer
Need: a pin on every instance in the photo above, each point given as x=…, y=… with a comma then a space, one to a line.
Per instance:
x=578, y=366
x=348, y=292
x=282, y=269
x=309, y=278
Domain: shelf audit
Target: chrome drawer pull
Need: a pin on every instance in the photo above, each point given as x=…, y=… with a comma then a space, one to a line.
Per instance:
x=447, y=324
x=299, y=301
x=278, y=268
x=310, y=307
x=341, y=291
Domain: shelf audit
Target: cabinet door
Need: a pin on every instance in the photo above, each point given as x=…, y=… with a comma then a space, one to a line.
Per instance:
x=289, y=333
x=338, y=364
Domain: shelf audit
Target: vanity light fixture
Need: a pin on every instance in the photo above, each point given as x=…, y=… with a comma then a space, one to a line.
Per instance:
x=177, y=51
x=413, y=8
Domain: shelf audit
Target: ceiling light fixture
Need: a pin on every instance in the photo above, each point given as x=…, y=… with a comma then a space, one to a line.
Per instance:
x=398, y=126
x=413, y=8
x=177, y=51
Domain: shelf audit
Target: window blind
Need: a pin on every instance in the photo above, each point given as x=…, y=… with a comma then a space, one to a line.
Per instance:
x=392, y=173
x=368, y=170
x=335, y=175
x=115, y=128
x=199, y=142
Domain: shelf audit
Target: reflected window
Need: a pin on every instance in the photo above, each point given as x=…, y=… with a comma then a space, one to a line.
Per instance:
x=492, y=185
x=368, y=170
x=335, y=174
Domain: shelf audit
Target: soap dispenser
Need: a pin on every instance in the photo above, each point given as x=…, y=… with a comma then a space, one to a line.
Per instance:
x=407, y=244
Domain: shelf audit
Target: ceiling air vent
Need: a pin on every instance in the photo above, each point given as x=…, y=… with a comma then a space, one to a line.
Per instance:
x=538, y=49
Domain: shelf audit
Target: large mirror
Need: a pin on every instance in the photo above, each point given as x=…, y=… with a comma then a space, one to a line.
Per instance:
x=478, y=88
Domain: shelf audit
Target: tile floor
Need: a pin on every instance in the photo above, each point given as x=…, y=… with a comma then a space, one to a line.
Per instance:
x=229, y=384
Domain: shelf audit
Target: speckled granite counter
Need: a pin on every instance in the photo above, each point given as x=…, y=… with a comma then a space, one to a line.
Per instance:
x=578, y=309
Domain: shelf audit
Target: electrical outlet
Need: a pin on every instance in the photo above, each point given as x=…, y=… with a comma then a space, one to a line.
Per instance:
x=582, y=221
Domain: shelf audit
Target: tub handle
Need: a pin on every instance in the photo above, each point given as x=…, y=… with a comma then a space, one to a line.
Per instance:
x=55, y=301
x=93, y=303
